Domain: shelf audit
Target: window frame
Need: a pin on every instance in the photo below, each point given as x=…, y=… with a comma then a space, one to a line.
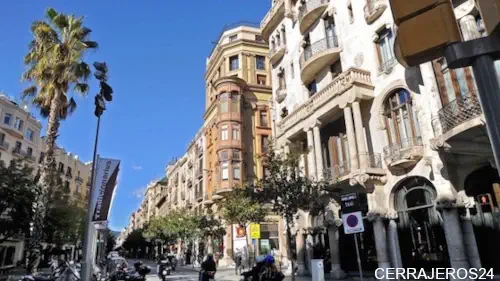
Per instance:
x=397, y=114
x=236, y=167
x=235, y=132
x=9, y=117
x=263, y=113
x=261, y=79
x=224, y=132
x=260, y=61
x=224, y=170
x=263, y=139
x=382, y=41
x=233, y=59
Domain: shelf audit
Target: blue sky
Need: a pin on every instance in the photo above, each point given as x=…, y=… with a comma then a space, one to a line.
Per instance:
x=156, y=53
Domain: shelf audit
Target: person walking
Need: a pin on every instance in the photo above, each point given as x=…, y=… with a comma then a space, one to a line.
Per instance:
x=237, y=261
x=208, y=268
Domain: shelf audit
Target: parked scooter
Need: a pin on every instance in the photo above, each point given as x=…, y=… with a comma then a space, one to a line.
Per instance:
x=138, y=274
x=173, y=261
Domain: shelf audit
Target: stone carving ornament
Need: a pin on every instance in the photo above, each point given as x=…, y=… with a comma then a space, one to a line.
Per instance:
x=358, y=60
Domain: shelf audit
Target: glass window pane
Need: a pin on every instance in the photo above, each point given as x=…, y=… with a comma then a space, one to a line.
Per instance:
x=462, y=83
x=450, y=91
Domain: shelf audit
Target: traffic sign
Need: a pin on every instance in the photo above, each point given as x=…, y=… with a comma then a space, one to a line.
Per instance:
x=255, y=231
x=353, y=223
x=350, y=203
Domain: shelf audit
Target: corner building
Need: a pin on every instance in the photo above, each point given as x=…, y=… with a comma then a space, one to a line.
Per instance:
x=412, y=142
x=237, y=129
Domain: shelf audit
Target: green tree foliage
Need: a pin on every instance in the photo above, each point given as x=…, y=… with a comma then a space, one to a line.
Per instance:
x=286, y=190
x=135, y=240
x=18, y=193
x=237, y=208
x=209, y=227
x=110, y=240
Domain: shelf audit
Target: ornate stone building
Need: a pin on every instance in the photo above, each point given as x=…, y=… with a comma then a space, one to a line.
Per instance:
x=411, y=142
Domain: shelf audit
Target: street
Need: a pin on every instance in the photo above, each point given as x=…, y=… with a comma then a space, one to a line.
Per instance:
x=186, y=272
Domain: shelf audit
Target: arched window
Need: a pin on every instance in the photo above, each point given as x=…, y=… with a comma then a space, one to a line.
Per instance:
x=401, y=119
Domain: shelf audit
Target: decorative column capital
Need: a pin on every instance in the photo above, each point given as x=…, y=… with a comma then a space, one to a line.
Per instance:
x=392, y=215
x=333, y=223
x=375, y=215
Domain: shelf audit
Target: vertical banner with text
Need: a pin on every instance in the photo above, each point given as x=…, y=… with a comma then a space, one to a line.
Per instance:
x=104, y=184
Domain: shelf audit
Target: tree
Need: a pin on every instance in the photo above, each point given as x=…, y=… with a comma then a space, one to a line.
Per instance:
x=18, y=193
x=110, y=240
x=135, y=242
x=210, y=227
x=55, y=68
x=239, y=209
x=287, y=190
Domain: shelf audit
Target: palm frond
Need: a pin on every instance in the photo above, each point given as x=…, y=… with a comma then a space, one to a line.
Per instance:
x=60, y=21
x=91, y=44
x=83, y=71
x=82, y=88
x=29, y=92
x=50, y=13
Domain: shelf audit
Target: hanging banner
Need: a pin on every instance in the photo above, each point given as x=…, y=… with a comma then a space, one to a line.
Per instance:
x=104, y=183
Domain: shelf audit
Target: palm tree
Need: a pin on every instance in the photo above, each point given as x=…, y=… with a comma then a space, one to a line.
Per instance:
x=55, y=69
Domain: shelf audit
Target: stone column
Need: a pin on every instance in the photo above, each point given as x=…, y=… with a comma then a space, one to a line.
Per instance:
x=309, y=251
x=317, y=151
x=310, y=154
x=393, y=239
x=360, y=135
x=288, y=8
x=300, y=244
x=244, y=66
x=333, y=239
x=470, y=240
x=380, y=241
x=351, y=138
x=469, y=28
x=286, y=148
x=453, y=233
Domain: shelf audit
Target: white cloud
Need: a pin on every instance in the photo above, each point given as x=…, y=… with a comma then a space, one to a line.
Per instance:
x=139, y=192
x=136, y=167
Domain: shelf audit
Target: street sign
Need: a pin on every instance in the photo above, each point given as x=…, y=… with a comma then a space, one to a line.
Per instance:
x=350, y=203
x=255, y=231
x=353, y=223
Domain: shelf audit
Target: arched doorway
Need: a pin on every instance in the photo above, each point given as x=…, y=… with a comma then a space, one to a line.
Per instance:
x=484, y=186
x=421, y=236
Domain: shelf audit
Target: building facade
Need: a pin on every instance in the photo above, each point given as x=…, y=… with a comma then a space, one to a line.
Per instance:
x=237, y=129
x=411, y=142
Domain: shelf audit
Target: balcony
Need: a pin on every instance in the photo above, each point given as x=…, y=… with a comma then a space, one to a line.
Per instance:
x=388, y=65
x=318, y=56
x=79, y=180
x=199, y=173
x=281, y=94
x=221, y=191
x=69, y=175
x=373, y=10
x=276, y=53
x=207, y=200
x=404, y=154
x=336, y=173
x=310, y=12
x=459, y=111
x=198, y=195
x=189, y=183
x=271, y=20
x=354, y=79
x=4, y=145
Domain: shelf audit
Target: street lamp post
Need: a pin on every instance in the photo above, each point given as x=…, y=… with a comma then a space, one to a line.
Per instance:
x=88, y=245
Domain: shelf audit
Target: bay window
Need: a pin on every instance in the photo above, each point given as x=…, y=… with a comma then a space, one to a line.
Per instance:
x=224, y=135
x=236, y=132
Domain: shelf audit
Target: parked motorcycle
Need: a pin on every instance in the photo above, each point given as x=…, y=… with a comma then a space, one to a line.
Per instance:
x=66, y=271
x=138, y=274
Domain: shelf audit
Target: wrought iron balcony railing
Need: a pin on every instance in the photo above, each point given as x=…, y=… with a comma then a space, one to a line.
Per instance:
x=387, y=65
x=375, y=160
x=460, y=110
x=317, y=47
x=334, y=173
x=311, y=5
x=401, y=150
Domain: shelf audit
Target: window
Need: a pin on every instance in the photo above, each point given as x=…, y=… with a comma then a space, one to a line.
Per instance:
x=281, y=80
x=385, y=50
x=453, y=83
x=236, y=132
x=29, y=151
x=18, y=124
x=61, y=167
x=17, y=148
x=235, y=104
x=234, y=63
x=2, y=138
x=68, y=171
x=401, y=120
x=260, y=62
x=269, y=238
x=42, y=156
x=7, y=118
x=263, y=119
x=261, y=79
x=29, y=134
x=224, y=171
x=236, y=155
x=223, y=133
x=66, y=184
x=236, y=172
x=265, y=144
x=259, y=38
x=330, y=33
x=224, y=156
x=336, y=69
x=9, y=256
x=283, y=34
x=233, y=37
x=312, y=88
x=224, y=99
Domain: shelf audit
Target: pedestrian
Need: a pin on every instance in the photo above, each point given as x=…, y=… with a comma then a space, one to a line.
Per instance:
x=237, y=261
x=270, y=271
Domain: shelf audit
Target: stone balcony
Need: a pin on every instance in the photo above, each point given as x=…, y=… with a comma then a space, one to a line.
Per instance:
x=404, y=154
x=280, y=95
x=4, y=145
x=373, y=10
x=310, y=12
x=271, y=20
x=276, y=54
x=350, y=84
x=317, y=56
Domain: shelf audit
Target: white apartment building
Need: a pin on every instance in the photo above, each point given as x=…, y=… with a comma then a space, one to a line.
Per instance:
x=411, y=142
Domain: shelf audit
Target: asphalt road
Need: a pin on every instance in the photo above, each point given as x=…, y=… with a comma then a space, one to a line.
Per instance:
x=178, y=274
